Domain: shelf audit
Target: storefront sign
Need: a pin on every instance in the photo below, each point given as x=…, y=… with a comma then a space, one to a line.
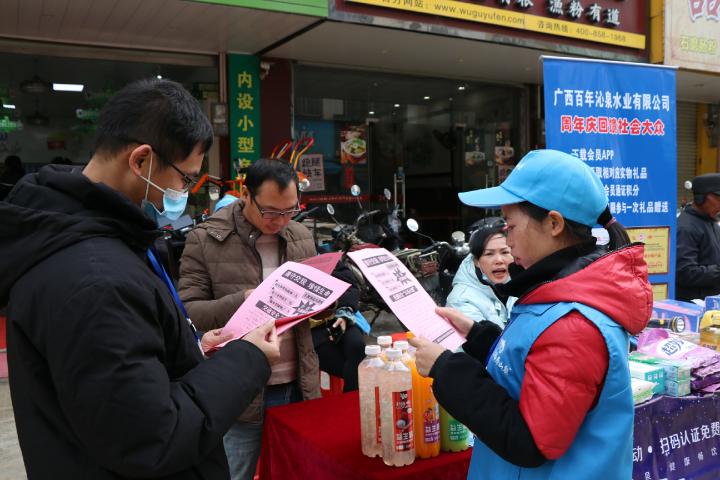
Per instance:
x=562, y=20
x=316, y=8
x=676, y=438
x=620, y=119
x=244, y=103
x=692, y=34
x=313, y=168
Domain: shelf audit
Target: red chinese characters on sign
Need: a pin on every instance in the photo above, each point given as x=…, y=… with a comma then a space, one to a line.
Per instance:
x=603, y=126
x=566, y=124
x=611, y=125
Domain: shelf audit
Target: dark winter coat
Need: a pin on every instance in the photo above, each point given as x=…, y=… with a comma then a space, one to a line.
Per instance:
x=106, y=377
x=698, y=255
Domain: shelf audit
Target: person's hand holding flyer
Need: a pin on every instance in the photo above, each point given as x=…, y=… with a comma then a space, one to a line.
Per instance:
x=291, y=294
x=405, y=297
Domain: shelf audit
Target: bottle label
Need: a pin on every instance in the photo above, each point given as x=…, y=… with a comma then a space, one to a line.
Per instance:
x=403, y=420
x=457, y=432
x=431, y=424
x=378, y=434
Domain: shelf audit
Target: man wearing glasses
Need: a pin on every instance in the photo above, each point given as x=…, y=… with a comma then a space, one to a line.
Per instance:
x=108, y=377
x=228, y=256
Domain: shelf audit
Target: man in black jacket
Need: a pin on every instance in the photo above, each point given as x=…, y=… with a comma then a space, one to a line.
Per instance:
x=698, y=241
x=107, y=378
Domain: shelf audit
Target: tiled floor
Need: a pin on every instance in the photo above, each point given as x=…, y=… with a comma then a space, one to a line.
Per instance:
x=11, y=463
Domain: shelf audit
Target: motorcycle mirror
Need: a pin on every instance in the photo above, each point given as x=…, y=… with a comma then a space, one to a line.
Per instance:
x=330, y=209
x=387, y=194
x=412, y=225
x=214, y=193
x=304, y=184
x=458, y=237
x=355, y=191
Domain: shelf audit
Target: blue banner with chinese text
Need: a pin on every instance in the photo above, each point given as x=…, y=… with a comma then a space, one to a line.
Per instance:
x=620, y=119
x=677, y=439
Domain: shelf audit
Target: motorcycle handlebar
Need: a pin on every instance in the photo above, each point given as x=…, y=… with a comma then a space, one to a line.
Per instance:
x=365, y=215
x=303, y=215
x=434, y=246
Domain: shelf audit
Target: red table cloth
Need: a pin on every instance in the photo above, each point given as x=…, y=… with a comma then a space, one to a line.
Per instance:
x=320, y=439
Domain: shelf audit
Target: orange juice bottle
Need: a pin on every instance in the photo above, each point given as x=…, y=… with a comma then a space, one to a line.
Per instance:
x=426, y=416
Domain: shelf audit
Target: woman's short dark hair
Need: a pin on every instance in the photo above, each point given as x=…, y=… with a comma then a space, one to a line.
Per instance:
x=158, y=112
x=279, y=171
x=484, y=230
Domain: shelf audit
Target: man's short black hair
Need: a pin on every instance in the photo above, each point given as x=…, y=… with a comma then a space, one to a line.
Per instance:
x=158, y=112
x=266, y=169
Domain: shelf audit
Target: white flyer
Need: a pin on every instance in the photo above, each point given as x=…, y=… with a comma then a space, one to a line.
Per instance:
x=405, y=297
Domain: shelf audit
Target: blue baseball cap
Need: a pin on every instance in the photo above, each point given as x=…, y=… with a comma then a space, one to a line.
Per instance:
x=552, y=180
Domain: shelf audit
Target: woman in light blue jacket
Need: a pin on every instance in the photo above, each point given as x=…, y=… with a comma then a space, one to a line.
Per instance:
x=473, y=293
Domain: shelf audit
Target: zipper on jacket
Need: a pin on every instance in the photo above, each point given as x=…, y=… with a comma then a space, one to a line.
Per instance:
x=251, y=240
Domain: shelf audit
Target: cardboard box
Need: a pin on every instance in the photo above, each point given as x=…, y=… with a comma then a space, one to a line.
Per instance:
x=712, y=302
x=649, y=373
x=690, y=312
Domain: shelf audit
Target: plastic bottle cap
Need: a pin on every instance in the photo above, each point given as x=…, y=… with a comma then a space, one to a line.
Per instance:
x=384, y=340
x=372, y=349
x=393, y=353
x=401, y=345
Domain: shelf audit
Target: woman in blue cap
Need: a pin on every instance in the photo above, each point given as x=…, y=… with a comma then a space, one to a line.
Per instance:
x=550, y=398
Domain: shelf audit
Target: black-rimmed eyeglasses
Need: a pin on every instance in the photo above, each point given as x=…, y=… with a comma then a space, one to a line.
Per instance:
x=270, y=214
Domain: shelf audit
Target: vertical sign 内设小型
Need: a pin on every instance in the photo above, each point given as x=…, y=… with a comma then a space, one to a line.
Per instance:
x=244, y=106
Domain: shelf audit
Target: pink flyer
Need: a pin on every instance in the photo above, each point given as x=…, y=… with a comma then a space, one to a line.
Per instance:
x=405, y=297
x=325, y=262
x=288, y=296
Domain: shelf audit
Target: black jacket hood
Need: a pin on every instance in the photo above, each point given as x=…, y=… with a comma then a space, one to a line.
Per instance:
x=57, y=207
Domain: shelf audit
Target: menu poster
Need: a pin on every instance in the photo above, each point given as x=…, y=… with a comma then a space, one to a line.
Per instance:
x=291, y=294
x=405, y=297
x=353, y=145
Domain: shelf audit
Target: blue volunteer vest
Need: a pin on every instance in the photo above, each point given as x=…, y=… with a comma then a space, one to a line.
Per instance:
x=602, y=448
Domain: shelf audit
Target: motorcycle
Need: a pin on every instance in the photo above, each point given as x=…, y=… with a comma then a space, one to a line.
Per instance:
x=374, y=227
x=435, y=266
x=172, y=242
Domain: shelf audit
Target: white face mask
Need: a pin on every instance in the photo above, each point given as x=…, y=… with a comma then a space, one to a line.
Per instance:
x=174, y=202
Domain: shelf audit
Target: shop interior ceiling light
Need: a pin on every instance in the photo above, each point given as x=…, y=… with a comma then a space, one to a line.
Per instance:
x=35, y=85
x=38, y=119
x=68, y=87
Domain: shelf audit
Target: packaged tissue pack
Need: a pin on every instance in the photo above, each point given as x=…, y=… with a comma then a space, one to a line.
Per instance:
x=642, y=390
x=675, y=370
x=651, y=373
x=677, y=389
